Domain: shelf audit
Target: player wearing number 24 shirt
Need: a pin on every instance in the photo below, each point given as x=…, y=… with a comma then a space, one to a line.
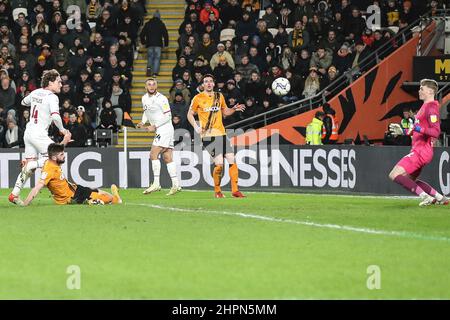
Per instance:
x=44, y=109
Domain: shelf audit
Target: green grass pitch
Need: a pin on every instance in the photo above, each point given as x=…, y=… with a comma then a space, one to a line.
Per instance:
x=192, y=246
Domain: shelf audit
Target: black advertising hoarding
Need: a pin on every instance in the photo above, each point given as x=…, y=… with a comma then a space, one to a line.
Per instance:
x=437, y=68
x=355, y=169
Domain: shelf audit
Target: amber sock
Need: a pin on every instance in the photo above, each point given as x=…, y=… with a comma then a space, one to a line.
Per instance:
x=217, y=175
x=234, y=174
x=115, y=200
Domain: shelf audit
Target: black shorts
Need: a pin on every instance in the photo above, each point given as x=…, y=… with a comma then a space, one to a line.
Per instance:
x=217, y=145
x=82, y=194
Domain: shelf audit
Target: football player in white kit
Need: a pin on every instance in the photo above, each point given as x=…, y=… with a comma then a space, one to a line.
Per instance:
x=157, y=112
x=44, y=109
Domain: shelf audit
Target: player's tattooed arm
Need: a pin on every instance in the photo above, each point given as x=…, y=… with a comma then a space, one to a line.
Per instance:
x=34, y=192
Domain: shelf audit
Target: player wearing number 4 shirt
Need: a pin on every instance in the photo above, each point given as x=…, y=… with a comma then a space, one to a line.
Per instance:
x=157, y=112
x=44, y=109
x=425, y=130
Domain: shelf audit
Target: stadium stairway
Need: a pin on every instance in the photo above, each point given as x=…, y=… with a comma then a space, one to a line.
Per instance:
x=172, y=14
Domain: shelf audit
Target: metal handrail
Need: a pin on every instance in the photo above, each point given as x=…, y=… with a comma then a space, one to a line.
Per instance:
x=343, y=80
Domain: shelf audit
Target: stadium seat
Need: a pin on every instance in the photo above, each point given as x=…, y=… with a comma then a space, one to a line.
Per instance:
x=16, y=11
x=273, y=31
x=227, y=34
x=103, y=137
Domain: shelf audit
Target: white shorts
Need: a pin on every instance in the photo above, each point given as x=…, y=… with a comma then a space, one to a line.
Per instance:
x=164, y=138
x=36, y=145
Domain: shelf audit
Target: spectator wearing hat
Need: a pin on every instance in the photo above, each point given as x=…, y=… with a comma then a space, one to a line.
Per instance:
x=322, y=59
x=232, y=91
x=221, y=53
x=223, y=72
x=299, y=37
x=342, y=60
x=202, y=65
x=179, y=86
x=7, y=94
x=154, y=36
x=207, y=10
x=62, y=66
x=13, y=135
x=312, y=83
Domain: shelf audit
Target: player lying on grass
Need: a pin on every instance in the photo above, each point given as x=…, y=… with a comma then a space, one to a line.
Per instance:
x=424, y=132
x=63, y=191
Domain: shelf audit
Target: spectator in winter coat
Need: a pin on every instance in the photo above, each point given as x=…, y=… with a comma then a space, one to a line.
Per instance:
x=154, y=36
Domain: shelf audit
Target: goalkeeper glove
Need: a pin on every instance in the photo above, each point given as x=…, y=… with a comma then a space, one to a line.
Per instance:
x=395, y=129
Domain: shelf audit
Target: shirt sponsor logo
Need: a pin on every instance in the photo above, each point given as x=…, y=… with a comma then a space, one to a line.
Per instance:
x=433, y=118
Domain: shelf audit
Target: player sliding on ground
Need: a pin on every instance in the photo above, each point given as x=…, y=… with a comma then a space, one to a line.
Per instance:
x=44, y=109
x=64, y=192
x=157, y=112
x=425, y=130
x=210, y=106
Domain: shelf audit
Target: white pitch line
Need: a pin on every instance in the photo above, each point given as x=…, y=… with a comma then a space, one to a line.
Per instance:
x=402, y=234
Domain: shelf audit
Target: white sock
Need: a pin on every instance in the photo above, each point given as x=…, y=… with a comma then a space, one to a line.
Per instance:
x=423, y=195
x=156, y=167
x=438, y=196
x=24, y=175
x=172, y=169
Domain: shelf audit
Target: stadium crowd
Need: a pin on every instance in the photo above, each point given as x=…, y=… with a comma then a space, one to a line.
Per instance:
x=245, y=44
x=91, y=43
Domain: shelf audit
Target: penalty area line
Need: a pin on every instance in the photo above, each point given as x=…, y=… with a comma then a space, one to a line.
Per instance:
x=401, y=234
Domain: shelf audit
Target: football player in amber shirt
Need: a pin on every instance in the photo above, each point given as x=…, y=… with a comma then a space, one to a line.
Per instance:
x=210, y=106
x=63, y=191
